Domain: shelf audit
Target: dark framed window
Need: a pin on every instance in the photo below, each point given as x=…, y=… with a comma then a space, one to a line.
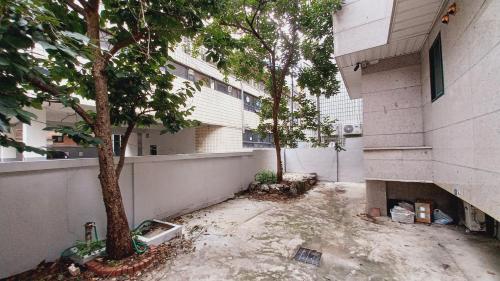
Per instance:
x=179, y=71
x=221, y=87
x=153, y=149
x=191, y=75
x=202, y=77
x=57, y=139
x=226, y=89
x=254, y=139
x=251, y=102
x=436, y=69
x=117, y=143
x=234, y=92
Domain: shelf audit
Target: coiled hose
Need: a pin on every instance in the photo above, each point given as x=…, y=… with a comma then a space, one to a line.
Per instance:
x=139, y=246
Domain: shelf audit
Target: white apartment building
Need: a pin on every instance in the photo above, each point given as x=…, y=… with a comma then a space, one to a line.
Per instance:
x=427, y=72
x=225, y=106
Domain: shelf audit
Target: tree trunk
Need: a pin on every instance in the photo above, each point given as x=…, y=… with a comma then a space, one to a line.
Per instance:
x=276, y=138
x=118, y=238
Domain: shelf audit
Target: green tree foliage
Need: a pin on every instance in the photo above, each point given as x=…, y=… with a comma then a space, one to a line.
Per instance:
x=293, y=126
x=318, y=74
x=264, y=40
x=114, y=53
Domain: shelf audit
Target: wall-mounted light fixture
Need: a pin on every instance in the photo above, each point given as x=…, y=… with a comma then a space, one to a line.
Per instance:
x=445, y=19
x=364, y=64
x=452, y=10
x=357, y=66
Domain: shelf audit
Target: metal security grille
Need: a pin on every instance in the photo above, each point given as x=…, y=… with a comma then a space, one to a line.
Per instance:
x=339, y=107
x=308, y=256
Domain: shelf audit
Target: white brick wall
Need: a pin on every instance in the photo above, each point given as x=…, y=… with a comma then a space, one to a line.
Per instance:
x=218, y=139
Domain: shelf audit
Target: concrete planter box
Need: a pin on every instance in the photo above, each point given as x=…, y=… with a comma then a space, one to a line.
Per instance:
x=166, y=232
x=83, y=260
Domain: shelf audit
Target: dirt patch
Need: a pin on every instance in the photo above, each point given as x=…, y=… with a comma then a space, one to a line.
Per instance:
x=58, y=270
x=273, y=197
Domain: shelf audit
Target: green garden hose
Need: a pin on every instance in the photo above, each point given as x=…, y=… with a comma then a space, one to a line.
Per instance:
x=139, y=246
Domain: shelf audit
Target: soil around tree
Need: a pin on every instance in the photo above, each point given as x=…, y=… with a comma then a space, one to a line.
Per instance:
x=293, y=186
x=58, y=270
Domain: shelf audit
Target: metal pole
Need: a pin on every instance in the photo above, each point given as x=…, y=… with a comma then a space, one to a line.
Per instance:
x=319, y=119
x=291, y=104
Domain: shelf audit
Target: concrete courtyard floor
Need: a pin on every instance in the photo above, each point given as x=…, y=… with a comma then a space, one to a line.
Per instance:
x=244, y=239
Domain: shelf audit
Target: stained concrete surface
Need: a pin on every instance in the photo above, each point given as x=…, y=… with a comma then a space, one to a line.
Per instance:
x=242, y=239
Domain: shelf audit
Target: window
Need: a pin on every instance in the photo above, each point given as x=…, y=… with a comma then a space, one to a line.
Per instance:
x=234, y=92
x=202, y=77
x=57, y=139
x=117, y=143
x=254, y=139
x=226, y=89
x=179, y=71
x=191, y=75
x=251, y=102
x=153, y=150
x=221, y=87
x=436, y=69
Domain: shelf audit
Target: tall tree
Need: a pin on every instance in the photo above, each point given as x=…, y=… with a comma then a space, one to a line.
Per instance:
x=266, y=33
x=264, y=38
x=112, y=52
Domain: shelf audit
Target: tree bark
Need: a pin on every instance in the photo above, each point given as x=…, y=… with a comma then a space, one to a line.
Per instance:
x=277, y=146
x=118, y=238
x=276, y=135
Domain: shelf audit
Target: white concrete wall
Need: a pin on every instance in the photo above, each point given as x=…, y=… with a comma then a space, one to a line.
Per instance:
x=330, y=165
x=43, y=211
x=399, y=164
x=392, y=103
x=44, y=204
x=322, y=161
x=181, y=142
x=34, y=135
x=218, y=139
x=462, y=126
x=351, y=161
x=250, y=119
x=362, y=24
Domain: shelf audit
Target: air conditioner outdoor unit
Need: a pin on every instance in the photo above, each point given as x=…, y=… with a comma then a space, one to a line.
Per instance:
x=475, y=219
x=230, y=89
x=351, y=129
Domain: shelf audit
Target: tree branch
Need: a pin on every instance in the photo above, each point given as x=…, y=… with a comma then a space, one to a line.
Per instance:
x=54, y=91
x=75, y=7
x=258, y=36
x=123, y=148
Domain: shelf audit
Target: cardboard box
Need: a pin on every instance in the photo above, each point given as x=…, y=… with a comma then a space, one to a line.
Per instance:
x=423, y=211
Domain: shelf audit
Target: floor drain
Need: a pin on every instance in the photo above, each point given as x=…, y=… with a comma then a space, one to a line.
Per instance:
x=308, y=256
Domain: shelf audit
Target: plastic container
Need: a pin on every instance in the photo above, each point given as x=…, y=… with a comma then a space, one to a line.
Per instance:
x=399, y=214
x=441, y=217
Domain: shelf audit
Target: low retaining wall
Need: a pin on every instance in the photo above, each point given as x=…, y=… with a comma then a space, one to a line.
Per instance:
x=44, y=204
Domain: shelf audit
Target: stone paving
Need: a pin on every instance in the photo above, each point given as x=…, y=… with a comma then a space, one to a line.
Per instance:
x=243, y=239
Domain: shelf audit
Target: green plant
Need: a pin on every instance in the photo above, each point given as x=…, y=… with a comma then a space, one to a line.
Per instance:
x=84, y=249
x=266, y=176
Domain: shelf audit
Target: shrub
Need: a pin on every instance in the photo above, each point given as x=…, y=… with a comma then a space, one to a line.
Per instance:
x=266, y=176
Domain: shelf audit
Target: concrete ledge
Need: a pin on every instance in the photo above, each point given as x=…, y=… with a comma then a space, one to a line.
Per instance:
x=396, y=148
x=23, y=166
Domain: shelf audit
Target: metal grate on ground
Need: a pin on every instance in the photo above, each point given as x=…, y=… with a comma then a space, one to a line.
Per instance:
x=308, y=256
